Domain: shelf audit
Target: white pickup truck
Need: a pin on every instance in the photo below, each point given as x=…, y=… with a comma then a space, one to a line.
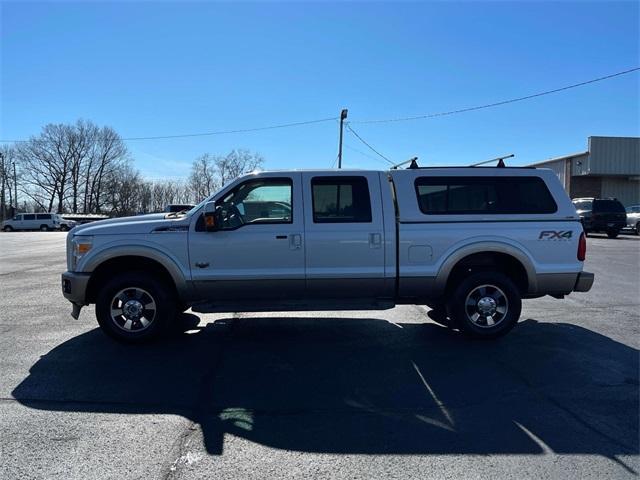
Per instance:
x=470, y=242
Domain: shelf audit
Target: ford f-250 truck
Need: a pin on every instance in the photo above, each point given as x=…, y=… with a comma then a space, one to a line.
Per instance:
x=470, y=242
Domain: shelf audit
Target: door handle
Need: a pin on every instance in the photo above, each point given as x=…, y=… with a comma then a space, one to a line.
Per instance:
x=375, y=240
x=295, y=241
x=281, y=237
x=202, y=264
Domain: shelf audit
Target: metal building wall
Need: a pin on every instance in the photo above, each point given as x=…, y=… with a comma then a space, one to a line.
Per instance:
x=614, y=156
x=624, y=189
x=559, y=168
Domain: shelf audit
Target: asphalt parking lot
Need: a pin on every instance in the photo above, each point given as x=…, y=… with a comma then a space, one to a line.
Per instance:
x=319, y=395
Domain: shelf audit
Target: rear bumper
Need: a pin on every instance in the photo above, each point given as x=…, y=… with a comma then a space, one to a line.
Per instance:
x=74, y=289
x=584, y=282
x=603, y=225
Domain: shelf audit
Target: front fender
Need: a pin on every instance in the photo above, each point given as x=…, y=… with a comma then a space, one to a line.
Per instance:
x=143, y=249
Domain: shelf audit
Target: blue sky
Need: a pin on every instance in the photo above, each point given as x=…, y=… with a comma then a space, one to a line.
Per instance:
x=161, y=68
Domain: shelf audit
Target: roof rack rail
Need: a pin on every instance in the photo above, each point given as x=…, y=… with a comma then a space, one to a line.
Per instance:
x=500, y=161
x=413, y=161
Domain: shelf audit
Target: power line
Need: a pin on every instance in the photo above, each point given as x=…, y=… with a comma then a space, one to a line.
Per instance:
x=220, y=132
x=369, y=146
x=362, y=153
x=503, y=102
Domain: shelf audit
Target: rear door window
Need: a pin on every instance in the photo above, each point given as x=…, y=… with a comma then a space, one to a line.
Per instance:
x=43, y=216
x=30, y=216
x=339, y=199
x=483, y=195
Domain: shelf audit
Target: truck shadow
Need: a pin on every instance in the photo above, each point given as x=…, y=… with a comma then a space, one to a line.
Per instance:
x=360, y=386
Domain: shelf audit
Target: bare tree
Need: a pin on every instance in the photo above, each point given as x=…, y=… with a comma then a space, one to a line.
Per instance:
x=46, y=162
x=122, y=191
x=66, y=165
x=237, y=163
x=209, y=173
x=8, y=181
x=83, y=138
x=108, y=157
x=203, y=177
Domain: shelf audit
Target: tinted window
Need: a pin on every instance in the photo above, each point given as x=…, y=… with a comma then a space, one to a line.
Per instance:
x=608, y=206
x=30, y=216
x=43, y=216
x=257, y=201
x=340, y=200
x=469, y=195
x=582, y=205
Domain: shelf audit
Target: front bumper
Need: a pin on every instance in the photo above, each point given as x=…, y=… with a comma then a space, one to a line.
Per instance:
x=74, y=289
x=584, y=282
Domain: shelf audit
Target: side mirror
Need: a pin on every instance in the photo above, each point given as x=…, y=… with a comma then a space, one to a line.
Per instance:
x=210, y=217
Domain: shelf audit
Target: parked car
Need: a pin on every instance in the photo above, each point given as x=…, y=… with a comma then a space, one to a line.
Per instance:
x=32, y=221
x=605, y=215
x=66, y=224
x=633, y=218
x=469, y=242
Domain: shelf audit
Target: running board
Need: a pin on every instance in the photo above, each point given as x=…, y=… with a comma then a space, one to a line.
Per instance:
x=324, y=305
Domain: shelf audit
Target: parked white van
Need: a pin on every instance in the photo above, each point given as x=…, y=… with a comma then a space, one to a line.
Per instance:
x=32, y=221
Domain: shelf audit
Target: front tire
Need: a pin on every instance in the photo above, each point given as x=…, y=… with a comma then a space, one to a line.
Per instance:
x=638, y=228
x=485, y=305
x=44, y=228
x=612, y=233
x=135, y=307
x=8, y=228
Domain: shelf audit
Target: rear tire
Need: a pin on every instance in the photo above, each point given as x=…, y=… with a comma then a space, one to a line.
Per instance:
x=485, y=305
x=612, y=233
x=135, y=307
x=638, y=228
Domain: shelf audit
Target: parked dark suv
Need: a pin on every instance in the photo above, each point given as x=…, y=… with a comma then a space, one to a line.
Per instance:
x=601, y=215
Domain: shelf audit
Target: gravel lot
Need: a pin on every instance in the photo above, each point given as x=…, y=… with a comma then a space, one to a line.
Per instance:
x=316, y=395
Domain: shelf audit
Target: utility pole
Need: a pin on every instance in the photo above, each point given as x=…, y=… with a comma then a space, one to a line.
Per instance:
x=15, y=187
x=343, y=115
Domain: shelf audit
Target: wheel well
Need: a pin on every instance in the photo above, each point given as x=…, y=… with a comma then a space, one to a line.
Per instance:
x=489, y=261
x=121, y=264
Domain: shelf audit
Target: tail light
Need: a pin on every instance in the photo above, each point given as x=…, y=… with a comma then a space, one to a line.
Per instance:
x=582, y=247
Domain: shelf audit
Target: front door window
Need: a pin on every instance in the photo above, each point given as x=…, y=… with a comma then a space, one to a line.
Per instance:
x=257, y=202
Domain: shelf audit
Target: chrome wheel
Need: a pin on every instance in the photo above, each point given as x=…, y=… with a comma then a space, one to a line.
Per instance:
x=486, y=306
x=133, y=309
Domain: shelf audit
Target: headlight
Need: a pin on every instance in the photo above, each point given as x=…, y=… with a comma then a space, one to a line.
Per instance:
x=80, y=245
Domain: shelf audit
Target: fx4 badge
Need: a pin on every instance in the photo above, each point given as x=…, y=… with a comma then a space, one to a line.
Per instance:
x=555, y=235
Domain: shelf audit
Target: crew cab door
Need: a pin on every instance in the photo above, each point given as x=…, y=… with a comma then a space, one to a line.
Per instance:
x=258, y=251
x=345, y=237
